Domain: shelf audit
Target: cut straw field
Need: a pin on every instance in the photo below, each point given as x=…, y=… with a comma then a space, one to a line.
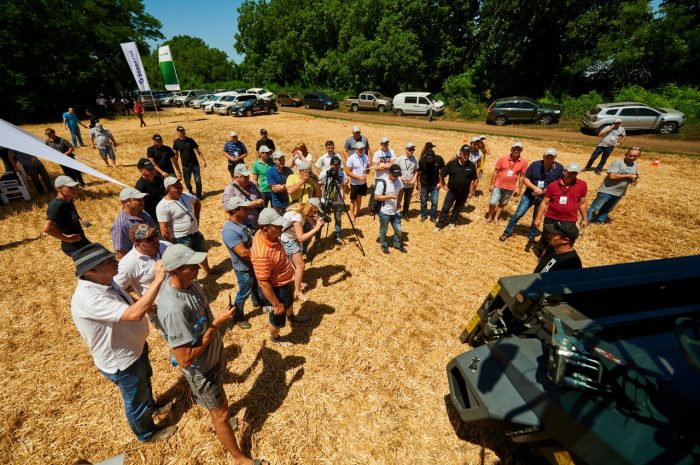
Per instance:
x=365, y=383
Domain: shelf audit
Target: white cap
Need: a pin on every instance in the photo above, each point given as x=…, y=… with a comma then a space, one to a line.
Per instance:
x=617, y=120
x=384, y=140
x=169, y=181
x=64, y=181
x=178, y=255
x=270, y=216
x=277, y=154
x=475, y=139
x=303, y=165
x=241, y=170
x=410, y=145
x=131, y=193
x=482, y=137
x=517, y=144
x=233, y=134
x=237, y=202
x=264, y=149
x=315, y=202
x=360, y=145
x=551, y=151
x=573, y=167
x=356, y=129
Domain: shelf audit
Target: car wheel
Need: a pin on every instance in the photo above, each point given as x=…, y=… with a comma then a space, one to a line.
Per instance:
x=325, y=107
x=271, y=111
x=354, y=107
x=306, y=105
x=500, y=120
x=667, y=128
x=399, y=112
x=545, y=119
x=229, y=112
x=249, y=113
x=381, y=108
x=600, y=129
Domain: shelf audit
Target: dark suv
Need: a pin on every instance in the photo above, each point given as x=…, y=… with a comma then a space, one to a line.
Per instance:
x=320, y=100
x=521, y=110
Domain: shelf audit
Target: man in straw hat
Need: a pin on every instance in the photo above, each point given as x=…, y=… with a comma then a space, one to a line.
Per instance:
x=132, y=212
x=62, y=219
x=115, y=330
x=193, y=334
x=274, y=273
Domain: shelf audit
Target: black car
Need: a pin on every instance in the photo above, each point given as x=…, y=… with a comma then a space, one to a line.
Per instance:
x=320, y=100
x=254, y=107
x=521, y=110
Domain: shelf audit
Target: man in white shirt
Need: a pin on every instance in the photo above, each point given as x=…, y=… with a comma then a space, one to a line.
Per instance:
x=115, y=330
x=612, y=137
x=323, y=163
x=357, y=168
x=178, y=217
x=383, y=158
x=388, y=191
x=409, y=175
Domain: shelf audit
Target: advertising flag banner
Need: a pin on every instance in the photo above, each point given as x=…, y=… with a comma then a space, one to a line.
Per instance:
x=167, y=67
x=131, y=52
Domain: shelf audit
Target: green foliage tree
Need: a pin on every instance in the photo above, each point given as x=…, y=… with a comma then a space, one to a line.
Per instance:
x=196, y=63
x=56, y=54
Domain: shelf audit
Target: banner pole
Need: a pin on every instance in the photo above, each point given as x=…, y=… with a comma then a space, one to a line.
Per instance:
x=155, y=105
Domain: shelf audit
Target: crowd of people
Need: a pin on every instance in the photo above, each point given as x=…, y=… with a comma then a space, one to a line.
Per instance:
x=275, y=205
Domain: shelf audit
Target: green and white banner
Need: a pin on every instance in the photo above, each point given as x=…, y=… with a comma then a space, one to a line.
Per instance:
x=167, y=67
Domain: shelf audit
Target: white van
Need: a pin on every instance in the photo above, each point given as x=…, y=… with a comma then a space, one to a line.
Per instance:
x=417, y=103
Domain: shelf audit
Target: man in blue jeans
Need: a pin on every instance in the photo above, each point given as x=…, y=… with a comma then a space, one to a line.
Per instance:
x=429, y=167
x=238, y=237
x=622, y=173
x=389, y=193
x=187, y=149
x=115, y=330
x=71, y=122
x=537, y=177
x=612, y=137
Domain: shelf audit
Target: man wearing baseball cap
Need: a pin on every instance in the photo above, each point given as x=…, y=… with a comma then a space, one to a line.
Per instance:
x=506, y=181
x=238, y=237
x=241, y=188
x=389, y=193
x=63, y=146
x=538, y=176
x=564, y=200
x=561, y=238
x=275, y=275
x=277, y=180
x=301, y=186
x=462, y=174
x=194, y=336
x=477, y=157
x=353, y=140
x=132, y=213
x=235, y=151
x=332, y=181
x=113, y=327
x=383, y=158
x=612, y=137
x=259, y=173
x=409, y=176
x=62, y=218
x=357, y=169
x=429, y=167
x=150, y=183
x=187, y=149
x=264, y=141
x=164, y=159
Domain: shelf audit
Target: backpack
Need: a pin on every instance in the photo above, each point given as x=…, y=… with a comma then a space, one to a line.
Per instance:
x=375, y=205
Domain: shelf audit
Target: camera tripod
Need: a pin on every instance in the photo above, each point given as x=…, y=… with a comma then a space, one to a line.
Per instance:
x=333, y=188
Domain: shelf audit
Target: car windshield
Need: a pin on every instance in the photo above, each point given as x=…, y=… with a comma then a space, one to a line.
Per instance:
x=430, y=97
x=228, y=98
x=594, y=111
x=322, y=95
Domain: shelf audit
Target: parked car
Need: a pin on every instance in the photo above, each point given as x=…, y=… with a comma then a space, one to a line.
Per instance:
x=187, y=95
x=149, y=103
x=225, y=104
x=289, y=99
x=167, y=99
x=208, y=106
x=635, y=116
x=260, y=92
x=416, y=103
x=521, y=110
x=370, y=100
x=319, y=100
x=255, y=107
x=197, y=101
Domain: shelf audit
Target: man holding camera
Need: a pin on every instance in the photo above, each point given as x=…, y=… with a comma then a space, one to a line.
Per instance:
x=332, y=181
x=389, y=193
x=302, y=185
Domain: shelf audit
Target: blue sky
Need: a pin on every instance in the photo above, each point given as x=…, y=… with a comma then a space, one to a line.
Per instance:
x=213, y=21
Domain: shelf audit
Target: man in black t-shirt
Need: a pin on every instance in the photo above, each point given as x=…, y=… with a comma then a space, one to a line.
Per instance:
x=264, y=140
x=92, y=118
x=429, y=167
x=163, y=158
x=150, y=183
x=62, y=145
x=462, y=175
x=188, y=149
x=561, y=254
x=62, y=219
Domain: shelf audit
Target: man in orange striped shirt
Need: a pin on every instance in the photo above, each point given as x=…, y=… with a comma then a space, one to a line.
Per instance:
x=275, y=275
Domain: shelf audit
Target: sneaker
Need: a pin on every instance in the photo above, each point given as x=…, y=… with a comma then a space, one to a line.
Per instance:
x=298, y=319
x=436, y=229
x=162, y=434
x=338, y=241
x=503, y=238
x=401, y=249
x=433, y=220
x=451, y=226
x=422, y=219
x=162, y=409
x=243, y=324
x=597, y=172
x=385, y=249
x=279, y=342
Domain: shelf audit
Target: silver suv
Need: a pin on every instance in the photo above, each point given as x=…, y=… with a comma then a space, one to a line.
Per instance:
x=635, y=116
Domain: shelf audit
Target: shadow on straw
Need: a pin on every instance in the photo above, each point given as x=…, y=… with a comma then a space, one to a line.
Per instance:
x=301, y=334
x=328, y=274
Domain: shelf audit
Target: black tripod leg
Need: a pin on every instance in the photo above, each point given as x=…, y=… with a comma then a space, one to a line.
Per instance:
x=359, y=243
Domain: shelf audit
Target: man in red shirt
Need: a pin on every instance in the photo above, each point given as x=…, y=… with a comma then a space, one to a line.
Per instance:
x=274, y=273
x=506, y=181
x=563, y=201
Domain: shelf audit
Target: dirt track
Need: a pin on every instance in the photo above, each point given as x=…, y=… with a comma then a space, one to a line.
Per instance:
x=654, y=142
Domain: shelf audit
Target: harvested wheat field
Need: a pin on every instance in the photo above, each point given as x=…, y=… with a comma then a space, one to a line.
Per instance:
x=365, y=382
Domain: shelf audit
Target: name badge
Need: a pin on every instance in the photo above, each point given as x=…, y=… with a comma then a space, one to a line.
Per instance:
x=510, y=173
x=563, y=199
x=540, y=184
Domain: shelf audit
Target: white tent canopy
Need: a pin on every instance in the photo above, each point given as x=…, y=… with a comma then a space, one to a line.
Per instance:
x=19, y=140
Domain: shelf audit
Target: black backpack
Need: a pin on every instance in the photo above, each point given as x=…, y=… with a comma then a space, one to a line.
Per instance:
x=374, y=205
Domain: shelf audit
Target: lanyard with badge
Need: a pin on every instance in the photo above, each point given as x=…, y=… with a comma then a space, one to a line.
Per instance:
x=511, y=171
x=563, y=199
x=540, y=183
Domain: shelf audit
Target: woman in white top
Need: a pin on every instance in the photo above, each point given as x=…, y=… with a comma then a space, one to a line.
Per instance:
x=293, y=235
x=299, y=153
